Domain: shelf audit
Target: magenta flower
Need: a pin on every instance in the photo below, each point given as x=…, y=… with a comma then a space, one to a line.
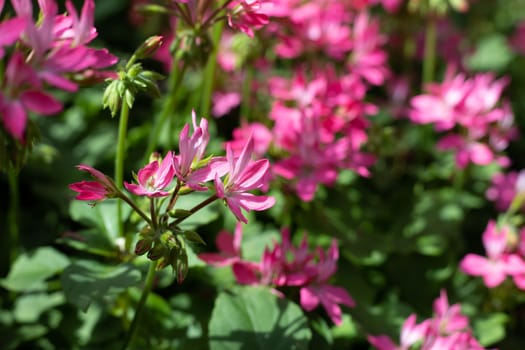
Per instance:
x=247, y=15
x=10, y=30
x=411, y=333
x=99, y=189
x=244, y=175
x=504, y=187
x=191, y=152
x=448, y=329
x=319, y=291
x=499, y=263
x=22, y=92
x=229, y=248
x=154, y=178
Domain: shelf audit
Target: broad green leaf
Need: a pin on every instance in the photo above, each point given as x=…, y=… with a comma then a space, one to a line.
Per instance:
x=87, y=281
x=492, y=54
x=491, y=330
x=254, y=318
x=102, y=216
x=30, y=270
x=28, y=308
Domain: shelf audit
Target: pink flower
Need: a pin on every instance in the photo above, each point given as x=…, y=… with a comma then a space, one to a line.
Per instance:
x=99, y=189
x=223, y=103
x=154, y=178
x=22, y=93
x=247, y=15
x=319, y=291
x=499, y=263
x=192, y=149
x=262, y=138
x=229, y=248
x=10, y=30
x=448, y=329
x=244, y=175
x=504, y=187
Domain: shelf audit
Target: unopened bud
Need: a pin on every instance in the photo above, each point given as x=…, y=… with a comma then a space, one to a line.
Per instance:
x=149, y=47
x=143, y=246
x=156, y=252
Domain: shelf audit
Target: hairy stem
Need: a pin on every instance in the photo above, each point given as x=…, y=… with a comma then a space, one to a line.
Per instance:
x=119, y=161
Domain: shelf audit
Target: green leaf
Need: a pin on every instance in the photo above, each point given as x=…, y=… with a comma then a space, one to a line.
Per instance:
x=491, y=329
x=87, y=281
x=254, y=318
x=28, y=308
x=492, y=54
x=102, y=216
x=30, y=271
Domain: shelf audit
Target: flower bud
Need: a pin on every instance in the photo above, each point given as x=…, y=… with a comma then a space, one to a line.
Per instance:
x=149, y=47
x=143, y=246
x=156, y=252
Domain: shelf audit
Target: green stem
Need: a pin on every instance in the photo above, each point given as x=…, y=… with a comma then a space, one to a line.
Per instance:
x=119, y=161
x=136, y=208
x=429, y=58
x=174, y=81
x=13, y=214
x=150, y=277
x=209, y=71
x=247, y=93
x=196, y=208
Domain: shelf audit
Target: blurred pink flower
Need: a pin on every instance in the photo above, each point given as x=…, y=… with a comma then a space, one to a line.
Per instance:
x=448, y=329
x=262, y=138
x=499, y=262
x=247, y=15
x=22, y=92
x=154, y=178
x=224, y=102
x=229, y=248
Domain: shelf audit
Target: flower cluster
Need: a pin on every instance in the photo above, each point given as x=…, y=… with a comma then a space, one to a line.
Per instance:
x=318, y=118
x=479, y=126
x=286, y=266
x=448, y=329
x=180, y=174
x=233, y=177
x=505, y=250
x=52, y=51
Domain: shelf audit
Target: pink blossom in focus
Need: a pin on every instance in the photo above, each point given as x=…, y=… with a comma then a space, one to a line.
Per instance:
x=154, y=178
x=99, y=189
x=191, y=149
x=243, y=175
